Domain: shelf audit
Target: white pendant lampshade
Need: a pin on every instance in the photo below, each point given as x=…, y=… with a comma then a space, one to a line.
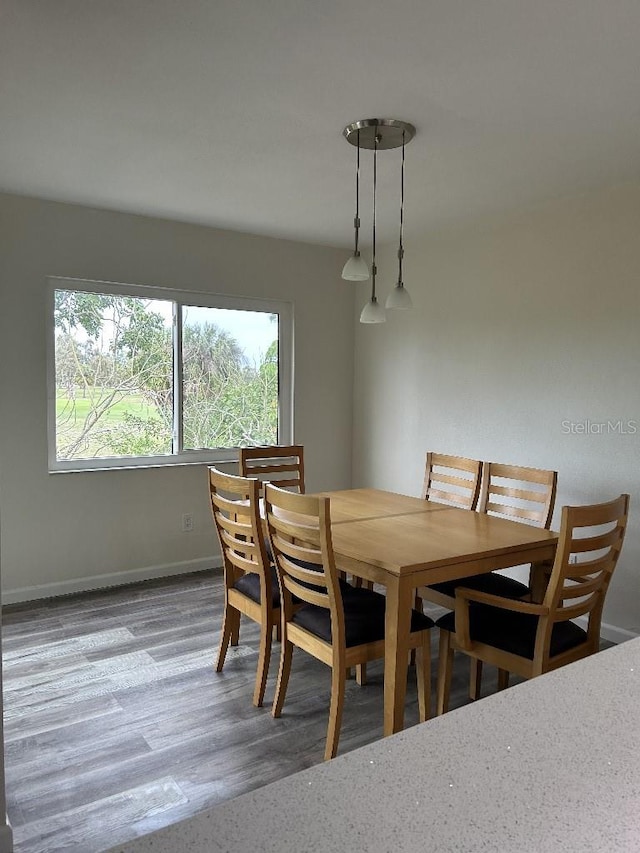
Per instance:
x=399, y=298
x=373, y=312
x=356, y=268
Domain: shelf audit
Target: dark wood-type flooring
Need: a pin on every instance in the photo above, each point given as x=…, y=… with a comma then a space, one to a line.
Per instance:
x=117, y=724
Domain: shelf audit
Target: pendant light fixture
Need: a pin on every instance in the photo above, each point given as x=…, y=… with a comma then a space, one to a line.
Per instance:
x=377, y=134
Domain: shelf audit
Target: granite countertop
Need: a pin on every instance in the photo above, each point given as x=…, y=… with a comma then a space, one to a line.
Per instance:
x=549, y=765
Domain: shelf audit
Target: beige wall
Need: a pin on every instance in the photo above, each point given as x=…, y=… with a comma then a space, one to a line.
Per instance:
x=67, y=531
x=517, y=326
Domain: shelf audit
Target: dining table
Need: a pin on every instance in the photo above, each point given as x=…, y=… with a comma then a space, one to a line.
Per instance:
x=403, y=542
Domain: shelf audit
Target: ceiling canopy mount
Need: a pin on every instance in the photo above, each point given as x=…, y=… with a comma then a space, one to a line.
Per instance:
x=391, y=133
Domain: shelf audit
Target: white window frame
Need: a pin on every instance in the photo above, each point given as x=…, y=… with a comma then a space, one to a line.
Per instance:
x=180, y=298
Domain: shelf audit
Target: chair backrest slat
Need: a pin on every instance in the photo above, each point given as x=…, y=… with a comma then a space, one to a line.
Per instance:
x=241, y=562
x=235, y=527
x=290, y=527
x=520, y=494
x=516, y=512
x=581, y=586
x=595, y=543
x=310, y=595
x=520, y=472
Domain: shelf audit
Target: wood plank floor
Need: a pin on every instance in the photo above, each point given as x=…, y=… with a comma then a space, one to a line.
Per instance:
x=117, y=724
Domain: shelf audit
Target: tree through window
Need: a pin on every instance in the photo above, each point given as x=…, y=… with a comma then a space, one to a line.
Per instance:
x=141, y=377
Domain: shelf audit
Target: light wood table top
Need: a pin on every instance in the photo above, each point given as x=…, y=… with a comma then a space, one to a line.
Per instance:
x=438, y=545
x=365, y=504
x=361, y=504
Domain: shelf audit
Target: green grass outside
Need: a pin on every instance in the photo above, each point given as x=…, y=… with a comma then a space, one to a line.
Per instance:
x=134, y=404
x=71, y=415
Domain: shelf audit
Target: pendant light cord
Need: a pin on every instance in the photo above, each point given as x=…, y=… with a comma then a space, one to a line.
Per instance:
x=401, y=247
x=356, y=221
x=375, y=183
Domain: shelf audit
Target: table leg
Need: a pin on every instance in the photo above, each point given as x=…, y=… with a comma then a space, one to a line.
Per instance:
x=397, y=625
x=539, y=578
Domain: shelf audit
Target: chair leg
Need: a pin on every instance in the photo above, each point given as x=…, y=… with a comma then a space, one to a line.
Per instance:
x=423, y=676
x=286, y=654
x=335, y=712
x=235, y=632
x=230, y=623
x=359, y=583
x=361, y=674
x=417, y=605
x=445, y=668
x=475, y=678
x=503, y=679
x=264, y=657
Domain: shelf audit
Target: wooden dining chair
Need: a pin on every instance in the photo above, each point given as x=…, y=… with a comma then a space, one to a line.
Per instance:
x=527, y=638
x=250, y=582
x=454, y=481
x=279, y=464
x=521, y=494
x=527, y=495
x=340, y=626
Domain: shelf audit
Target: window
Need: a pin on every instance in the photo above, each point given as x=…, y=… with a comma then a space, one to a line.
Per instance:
x=143, y=376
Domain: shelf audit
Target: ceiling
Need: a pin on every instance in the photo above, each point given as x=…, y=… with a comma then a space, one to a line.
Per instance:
x=230, y=112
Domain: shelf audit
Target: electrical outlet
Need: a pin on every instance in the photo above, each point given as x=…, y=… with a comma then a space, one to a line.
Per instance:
x=187, y=522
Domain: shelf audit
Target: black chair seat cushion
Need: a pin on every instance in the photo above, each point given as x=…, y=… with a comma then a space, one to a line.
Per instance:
x=249, y=584
x=363, y=616
x=513, y=632
x=267, y=546
x=314, y=567
x=492, y=583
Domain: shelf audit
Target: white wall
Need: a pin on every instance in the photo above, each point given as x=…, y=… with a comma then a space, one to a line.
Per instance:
x=517, y=326
x=66, y=531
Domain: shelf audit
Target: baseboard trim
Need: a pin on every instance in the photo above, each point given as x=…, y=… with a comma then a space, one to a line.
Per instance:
x=33, y=593
x=610, y=632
